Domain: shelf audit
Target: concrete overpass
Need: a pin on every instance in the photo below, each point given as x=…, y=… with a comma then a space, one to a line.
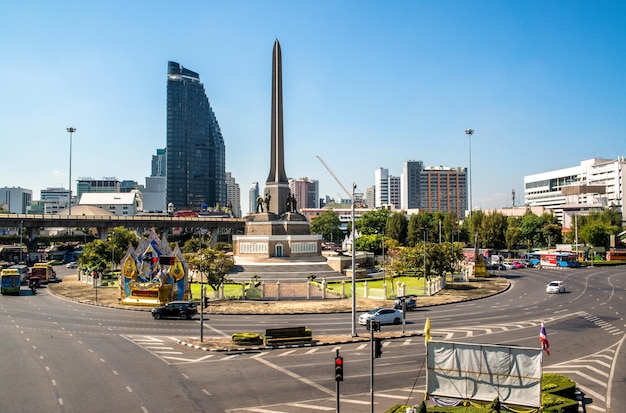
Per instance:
x=33, y=222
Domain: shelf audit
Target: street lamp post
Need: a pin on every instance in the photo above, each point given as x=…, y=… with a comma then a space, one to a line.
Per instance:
x=352, y=220
x=21, y=247
x=469, y=132
x=425, y=278
x=69, y=203
x=384, y=275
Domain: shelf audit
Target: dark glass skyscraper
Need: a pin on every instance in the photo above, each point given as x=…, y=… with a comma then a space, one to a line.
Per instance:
x=196, y=155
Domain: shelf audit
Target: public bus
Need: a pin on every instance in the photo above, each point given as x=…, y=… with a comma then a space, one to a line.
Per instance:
x=24, y=272
x=44, y=271
x=10, y=281
x=554, y=259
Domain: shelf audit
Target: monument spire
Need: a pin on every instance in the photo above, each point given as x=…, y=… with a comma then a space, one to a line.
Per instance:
x=277, y=156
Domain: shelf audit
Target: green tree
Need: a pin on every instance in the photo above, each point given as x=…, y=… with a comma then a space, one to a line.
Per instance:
x=475, y=223
x=493, y=231
x=194, y=244
x=96, y=256
x=213, y=265
x=373, y=222
x=370, y=243
x=596, y=233
x=513, y=234
x=118, y=241
x=415, y=231
x=327, y=225
x=531, y=229
x=396, y=227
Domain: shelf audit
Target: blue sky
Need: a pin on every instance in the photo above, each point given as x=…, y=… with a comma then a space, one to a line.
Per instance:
x=367, y=84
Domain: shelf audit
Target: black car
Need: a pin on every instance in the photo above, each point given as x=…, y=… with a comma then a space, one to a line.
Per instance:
x=177, y=309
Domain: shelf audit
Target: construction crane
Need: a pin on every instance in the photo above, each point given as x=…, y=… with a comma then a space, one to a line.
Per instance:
x=336, y=179
x=353, y=237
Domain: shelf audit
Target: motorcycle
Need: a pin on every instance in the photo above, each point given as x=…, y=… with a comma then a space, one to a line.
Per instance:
x=33, y=284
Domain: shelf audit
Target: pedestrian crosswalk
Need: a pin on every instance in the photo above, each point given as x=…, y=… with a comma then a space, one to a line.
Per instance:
x=352, y=403
x=167, y=349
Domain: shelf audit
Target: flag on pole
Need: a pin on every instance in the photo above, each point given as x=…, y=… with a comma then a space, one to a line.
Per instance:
x=427, y=331
x=543, y=337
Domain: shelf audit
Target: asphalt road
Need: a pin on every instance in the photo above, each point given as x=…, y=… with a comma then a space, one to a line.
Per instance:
x=63, y=356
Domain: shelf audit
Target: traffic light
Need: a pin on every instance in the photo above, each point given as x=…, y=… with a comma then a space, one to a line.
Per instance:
x=378, y=347
x=338, y=368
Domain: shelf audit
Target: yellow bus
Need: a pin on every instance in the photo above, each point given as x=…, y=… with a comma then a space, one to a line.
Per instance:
x=10, y=281
x=44, y=271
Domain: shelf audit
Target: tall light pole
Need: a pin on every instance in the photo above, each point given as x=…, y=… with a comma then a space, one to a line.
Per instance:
x=425, y=232
x=22, y=248
x=469, y=132
x=352, y=221
x=69, y=207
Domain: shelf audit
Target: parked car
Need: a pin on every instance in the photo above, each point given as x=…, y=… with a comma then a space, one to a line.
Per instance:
x=175, y=309
x=383, y=315
x=509, y=266
x=555, y=287
x=519, y=264
x=411, y=304
x=73, y=264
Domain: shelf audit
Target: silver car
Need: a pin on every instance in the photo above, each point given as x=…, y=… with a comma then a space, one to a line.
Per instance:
x=555, y=287
x=383, y=315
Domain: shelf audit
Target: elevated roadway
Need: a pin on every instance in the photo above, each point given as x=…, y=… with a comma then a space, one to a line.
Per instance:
x=34, y=222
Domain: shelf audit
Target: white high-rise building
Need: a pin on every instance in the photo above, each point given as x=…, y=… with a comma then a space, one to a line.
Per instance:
x=253, y=194
x=594, y=184
x=233, y=195
x=15, y=200
x=387, y=189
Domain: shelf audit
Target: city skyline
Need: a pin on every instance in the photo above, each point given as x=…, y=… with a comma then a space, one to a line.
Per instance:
x=540, y=84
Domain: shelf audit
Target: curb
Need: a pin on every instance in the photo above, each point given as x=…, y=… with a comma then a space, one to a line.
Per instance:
x=286, y=346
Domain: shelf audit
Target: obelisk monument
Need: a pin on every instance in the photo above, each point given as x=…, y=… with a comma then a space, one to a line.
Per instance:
x=276, y=230
x=277, y=184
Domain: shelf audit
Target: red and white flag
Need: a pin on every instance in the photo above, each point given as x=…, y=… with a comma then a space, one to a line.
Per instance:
x=543, y=337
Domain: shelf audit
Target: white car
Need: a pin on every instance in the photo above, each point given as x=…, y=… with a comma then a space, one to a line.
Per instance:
x=555, y=287
x=383, y=315
x=73, y=264
x=509, y=266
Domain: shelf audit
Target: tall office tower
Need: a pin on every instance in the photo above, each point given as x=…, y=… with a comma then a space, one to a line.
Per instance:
x=410, y=184
x=370, y=197
x=387, y=188
x=196, y=155
x=381, y=183
x=394, y=191
x=159, y=163
x=443, y=189
x=306, y=192
x=253, y=194
x=233, y=195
